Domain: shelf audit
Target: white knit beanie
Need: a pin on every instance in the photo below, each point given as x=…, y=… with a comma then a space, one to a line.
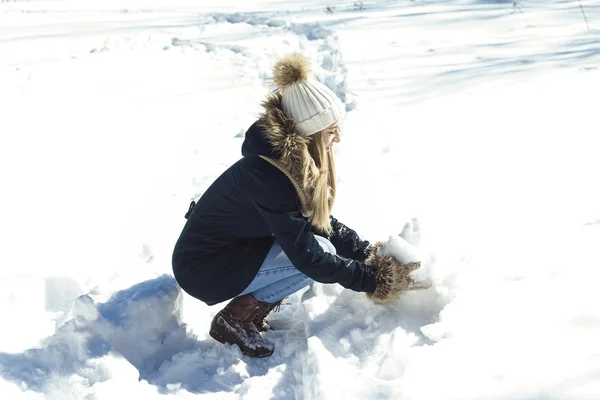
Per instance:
x=312, y=105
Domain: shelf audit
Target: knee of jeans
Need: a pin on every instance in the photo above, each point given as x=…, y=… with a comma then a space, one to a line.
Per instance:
x=326, y=244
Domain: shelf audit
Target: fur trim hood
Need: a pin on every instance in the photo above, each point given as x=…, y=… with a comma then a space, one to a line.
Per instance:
x=289, y=151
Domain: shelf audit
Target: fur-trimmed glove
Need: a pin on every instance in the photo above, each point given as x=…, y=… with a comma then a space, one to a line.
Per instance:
x=391, y=277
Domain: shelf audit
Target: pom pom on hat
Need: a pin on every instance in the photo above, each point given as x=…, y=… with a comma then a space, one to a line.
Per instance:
x=294, y=67
x=312, y=105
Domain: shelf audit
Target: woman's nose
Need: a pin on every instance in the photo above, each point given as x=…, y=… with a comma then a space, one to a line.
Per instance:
x=337, y=138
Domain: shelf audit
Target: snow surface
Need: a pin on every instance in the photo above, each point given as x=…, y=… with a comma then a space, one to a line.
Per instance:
x=477, y=117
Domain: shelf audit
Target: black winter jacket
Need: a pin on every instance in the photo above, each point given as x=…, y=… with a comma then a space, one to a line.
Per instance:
x=253, y=203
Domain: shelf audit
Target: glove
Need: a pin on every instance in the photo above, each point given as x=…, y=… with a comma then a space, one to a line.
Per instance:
x=392, y=277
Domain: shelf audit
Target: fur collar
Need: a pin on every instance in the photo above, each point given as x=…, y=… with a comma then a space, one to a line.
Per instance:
x=290, y=151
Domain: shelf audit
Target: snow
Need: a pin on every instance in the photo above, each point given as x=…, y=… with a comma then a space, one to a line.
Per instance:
x=400, y=249
x=477, y=118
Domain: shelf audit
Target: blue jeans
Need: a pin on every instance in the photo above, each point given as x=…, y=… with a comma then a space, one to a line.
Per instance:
x=277, y=278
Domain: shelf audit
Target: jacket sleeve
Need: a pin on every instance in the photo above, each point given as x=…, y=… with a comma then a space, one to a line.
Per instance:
x=273, y=200
x=347, y=243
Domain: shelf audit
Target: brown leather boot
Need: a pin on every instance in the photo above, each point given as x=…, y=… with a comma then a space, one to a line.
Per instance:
x=261, y=320
x=233, y=325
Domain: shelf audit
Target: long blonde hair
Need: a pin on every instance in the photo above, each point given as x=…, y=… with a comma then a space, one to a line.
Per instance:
x=324, y=193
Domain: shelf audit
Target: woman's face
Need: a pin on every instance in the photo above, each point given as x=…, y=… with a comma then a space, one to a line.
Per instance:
x=331, y=135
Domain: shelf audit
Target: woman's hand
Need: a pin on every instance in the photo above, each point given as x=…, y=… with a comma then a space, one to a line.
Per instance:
x=392, y=276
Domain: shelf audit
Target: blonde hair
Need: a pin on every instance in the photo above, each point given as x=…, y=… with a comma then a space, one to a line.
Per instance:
x=324, y=193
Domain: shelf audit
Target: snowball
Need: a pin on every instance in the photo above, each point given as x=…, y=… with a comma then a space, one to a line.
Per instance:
x=400, y=249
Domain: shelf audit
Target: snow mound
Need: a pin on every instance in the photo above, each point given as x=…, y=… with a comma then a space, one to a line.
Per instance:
x=400, y=249
x=141, y=324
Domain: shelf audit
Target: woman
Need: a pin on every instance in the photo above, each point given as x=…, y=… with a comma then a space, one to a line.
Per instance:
x=263, y=230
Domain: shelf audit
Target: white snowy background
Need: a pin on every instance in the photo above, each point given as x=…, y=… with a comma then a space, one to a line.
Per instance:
x=478, y=117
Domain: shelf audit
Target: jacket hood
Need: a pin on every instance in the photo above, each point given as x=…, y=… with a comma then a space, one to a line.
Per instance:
x=275, y=139
x=255, y=143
